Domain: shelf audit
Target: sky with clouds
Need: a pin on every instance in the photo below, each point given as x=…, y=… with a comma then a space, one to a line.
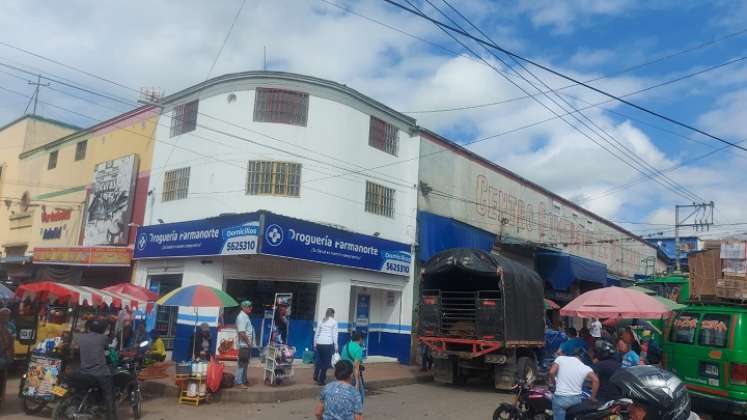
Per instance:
x=411, y=65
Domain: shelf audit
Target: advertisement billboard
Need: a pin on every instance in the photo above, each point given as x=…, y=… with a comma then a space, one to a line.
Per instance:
x=109, y=206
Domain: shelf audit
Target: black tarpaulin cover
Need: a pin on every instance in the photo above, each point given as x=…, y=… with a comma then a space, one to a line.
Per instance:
x=472, y=269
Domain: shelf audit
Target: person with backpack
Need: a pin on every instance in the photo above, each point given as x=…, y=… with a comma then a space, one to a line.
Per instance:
x=353, y=353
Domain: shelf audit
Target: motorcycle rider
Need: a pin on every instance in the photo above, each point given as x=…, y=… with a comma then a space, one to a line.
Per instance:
x=607, y=363
x=656, y=393
x=93, y=345
x=568, y=374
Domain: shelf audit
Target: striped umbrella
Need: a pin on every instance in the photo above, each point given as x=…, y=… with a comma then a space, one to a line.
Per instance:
x=197, y=296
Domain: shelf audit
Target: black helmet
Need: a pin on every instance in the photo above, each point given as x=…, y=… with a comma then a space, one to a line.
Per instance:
x=97, y=325
x=603, y=349
x=662, y=393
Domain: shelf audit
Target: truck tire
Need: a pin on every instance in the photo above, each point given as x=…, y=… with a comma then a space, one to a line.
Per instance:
x=505, y=376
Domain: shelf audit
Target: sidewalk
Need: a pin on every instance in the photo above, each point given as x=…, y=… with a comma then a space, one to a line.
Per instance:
x=378, y=375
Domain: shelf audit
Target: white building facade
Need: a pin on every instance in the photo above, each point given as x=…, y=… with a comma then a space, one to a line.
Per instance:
x=262, y=184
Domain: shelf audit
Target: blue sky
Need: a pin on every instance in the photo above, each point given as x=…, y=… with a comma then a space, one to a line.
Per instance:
x=171, y=45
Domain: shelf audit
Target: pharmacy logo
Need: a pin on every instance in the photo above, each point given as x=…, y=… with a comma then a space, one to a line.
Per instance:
x=274, y=234
x=142, y=242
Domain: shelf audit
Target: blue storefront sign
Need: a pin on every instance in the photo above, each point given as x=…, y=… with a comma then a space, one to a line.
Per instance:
x=272, y=234
x=225, y=235
x=294, y=238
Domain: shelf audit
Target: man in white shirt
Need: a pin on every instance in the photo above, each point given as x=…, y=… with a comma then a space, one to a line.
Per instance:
x=246, y=341
x=595, y=329
x=568, y=374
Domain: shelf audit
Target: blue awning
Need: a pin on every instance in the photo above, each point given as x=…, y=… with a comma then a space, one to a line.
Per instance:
x=561, y=270
x=438, y=233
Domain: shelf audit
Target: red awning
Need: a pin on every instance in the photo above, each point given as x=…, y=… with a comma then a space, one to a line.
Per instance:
x=75, y=295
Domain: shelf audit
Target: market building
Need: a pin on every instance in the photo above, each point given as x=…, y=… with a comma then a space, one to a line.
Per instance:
x=17, y=209
x=482, y=205
x=265, y=186
x=84, y=193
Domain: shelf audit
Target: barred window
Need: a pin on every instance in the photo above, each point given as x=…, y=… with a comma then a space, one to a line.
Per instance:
x=52, y=163
x=379, y=199
x=175, y=184
x=184, y=118
x=383, y=136
x=80, y=150
x=273, y=178
x=281, y=106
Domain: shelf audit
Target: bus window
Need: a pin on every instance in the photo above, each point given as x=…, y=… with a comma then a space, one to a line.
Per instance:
x=714, y=330
x=683, y=328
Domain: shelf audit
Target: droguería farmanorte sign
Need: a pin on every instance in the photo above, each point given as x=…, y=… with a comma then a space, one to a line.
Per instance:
x=225, y=235
x=294, y=238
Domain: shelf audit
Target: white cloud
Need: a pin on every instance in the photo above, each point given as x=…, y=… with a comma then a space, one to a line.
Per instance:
x=591, y=58
x=562, y=16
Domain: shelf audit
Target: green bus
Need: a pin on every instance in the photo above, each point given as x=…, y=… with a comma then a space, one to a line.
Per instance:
x=675, y=287
x=706, y=346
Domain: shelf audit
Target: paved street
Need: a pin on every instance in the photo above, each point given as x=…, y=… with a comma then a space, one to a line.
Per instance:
x=421, y=401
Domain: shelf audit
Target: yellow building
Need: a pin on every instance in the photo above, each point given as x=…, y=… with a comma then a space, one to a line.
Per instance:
x=88, y=190
x=16, y=209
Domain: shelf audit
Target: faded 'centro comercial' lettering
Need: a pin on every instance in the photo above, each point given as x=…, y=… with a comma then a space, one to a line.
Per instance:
x=328, y=242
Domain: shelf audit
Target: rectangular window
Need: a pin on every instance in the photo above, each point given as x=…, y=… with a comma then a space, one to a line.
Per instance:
x=281, y=106
x=379, y=199
x=683, y=328
x=80, y=150
x=273, y=178
x=184, y=118
x=383, y=136
x=175, y=184
x=714, y=330
x=52, y=160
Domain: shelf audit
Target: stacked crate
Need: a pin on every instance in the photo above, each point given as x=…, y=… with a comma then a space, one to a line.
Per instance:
x=733, y=283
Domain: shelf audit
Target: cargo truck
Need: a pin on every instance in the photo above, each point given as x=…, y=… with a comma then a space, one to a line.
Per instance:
x=482, y=315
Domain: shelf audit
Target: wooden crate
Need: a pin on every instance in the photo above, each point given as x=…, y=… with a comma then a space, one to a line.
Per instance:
x=734, y=288
x=705, y=271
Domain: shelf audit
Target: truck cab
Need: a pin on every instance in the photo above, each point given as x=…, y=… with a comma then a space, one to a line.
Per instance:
x=481, y=314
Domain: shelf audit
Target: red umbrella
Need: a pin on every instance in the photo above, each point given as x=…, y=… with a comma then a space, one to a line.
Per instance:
x=130, y=289
x=615, y=302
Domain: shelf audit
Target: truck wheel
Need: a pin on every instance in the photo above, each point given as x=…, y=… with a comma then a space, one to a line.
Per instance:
x=526, y=370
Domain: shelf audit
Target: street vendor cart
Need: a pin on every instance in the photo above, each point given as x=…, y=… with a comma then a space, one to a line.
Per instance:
x=47, y=358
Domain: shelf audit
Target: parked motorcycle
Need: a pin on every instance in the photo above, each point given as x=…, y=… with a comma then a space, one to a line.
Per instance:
x=82, y=398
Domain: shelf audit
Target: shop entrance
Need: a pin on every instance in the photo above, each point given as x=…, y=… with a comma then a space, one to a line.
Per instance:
x=262, y=294
x=376, y=312
x=166, y=315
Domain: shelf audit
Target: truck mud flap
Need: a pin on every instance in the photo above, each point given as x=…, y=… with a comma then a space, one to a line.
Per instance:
x=444, y=371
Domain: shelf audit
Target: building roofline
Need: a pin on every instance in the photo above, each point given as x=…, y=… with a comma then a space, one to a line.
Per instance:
x=87, y=131
x=497, y=168
x=42, y=119
x=294, y=77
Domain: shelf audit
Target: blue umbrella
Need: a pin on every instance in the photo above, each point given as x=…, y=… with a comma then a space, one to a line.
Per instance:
x=5, y=293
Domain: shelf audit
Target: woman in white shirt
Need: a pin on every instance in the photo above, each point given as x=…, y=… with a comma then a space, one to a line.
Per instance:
x=325, y=345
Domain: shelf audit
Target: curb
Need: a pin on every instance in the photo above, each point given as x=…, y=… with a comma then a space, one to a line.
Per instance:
x=162, y=390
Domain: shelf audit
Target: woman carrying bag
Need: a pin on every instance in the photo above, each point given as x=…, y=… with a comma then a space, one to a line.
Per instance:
x=353, y=352
x=325, y=345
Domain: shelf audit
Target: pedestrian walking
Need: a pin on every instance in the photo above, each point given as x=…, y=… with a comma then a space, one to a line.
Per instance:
x=325, y=345
x=353, y=353
x=246, y=342
x=340, y=400
x=568, y=374
x=6, y=350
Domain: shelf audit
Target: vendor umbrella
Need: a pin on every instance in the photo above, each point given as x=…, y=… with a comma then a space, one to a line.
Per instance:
x=551, y=305
x=198, y=297
x=5, y=293
x=130, y=289
x=615, y=302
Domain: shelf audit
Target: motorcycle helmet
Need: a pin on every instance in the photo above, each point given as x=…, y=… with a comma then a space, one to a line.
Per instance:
x=97, y=325
x=662, y=394
x=604, y=350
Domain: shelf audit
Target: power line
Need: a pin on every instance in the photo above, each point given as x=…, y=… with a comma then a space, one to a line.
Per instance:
x=225, y=40
x=559, y=74
x=670, y=185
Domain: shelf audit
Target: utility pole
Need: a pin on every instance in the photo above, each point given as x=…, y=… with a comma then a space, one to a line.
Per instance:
x=700, y=218
x=35, y=96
